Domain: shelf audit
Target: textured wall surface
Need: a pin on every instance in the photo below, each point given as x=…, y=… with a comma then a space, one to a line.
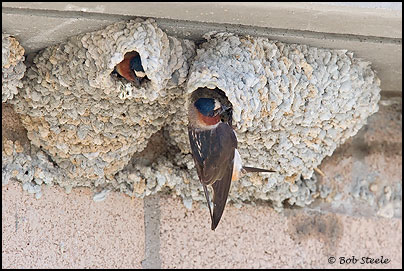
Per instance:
x=72, y=231
x=75, y=231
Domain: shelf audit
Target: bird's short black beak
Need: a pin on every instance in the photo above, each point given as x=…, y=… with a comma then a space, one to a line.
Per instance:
x=225, y=113
x=224, y=109
x=220, y=110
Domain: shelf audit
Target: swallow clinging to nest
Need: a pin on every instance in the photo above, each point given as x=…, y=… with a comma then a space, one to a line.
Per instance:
x=214, y=146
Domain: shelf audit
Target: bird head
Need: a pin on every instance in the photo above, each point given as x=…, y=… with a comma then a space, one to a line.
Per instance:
x=131, y=68
x=136, y=66
x=210, y=108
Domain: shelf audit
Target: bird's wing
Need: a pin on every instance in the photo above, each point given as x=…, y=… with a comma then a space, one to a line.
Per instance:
x=255, y=169
x=213, y=152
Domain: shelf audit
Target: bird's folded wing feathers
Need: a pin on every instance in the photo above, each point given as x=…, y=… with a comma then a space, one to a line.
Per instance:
x=212, y=151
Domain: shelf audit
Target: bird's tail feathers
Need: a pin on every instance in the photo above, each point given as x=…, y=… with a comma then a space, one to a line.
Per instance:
x=254, y=169
x=205, y=189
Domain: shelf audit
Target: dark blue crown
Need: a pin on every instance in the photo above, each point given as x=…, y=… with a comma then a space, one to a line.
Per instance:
x=136, y=64
x=205, y=106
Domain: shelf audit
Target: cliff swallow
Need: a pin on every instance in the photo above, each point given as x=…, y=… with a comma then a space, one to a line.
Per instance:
x=131, y=68
x=214, y=146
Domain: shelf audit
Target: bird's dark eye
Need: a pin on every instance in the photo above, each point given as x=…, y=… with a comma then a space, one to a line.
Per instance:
x=216, y=112
x=213, y=113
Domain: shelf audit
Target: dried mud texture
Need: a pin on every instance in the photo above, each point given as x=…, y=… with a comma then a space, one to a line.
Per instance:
x=13, y=68
x=86, y=118
x=20, y=160
x=293, y=104
x=32, y=168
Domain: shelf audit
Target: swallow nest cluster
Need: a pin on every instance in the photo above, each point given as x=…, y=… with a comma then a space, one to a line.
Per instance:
x=293, y=105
